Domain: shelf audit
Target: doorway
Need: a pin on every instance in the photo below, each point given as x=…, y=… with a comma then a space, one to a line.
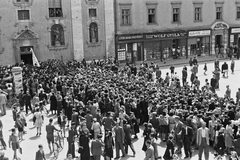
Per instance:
x=26, y=55
x=218, y=40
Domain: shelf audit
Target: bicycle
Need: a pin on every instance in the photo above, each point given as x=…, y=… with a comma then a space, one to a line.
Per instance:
x=58, y=144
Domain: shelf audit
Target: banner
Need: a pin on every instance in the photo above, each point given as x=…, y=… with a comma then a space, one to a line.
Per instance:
x=17, y=79
x=34, y=59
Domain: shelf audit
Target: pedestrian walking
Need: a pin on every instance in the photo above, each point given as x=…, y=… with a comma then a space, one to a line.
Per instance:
x=205, y=68
x=39, y=121
x=40, y=155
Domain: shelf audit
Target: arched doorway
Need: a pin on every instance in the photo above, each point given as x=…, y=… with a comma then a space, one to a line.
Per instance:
x=23, y=42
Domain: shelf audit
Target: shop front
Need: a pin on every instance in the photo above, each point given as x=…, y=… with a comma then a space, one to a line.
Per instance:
x=165, y=45
x=219, y=36
x=129, y=48
x=199, y=42
x=234, y=39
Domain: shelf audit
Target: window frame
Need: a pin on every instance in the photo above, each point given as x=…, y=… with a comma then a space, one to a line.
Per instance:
x=125, y=6
x=237, y=11
x=26, y=20
x=219, y=13
x=89, y=12
x=195, y=6
x=61, y=8
x=151, y=6
x=219, y=5
x=151, y=14
x=125, y=16
x=22, y=1
x=176, y=5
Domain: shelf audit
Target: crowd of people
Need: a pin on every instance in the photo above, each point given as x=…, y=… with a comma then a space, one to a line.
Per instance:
x=105, y=104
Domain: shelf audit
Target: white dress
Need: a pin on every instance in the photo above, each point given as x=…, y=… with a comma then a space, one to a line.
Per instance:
x=39, y=119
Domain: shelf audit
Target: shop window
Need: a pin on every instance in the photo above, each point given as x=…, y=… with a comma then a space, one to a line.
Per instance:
x=93, y=32
x=197, y=14
x=151, y=16
x=126, y=16
x=176, y=15
x=219, y=13
x=55, y=8
x=23, y=15
x=57, y=35
x=92, y=12
x=238, y=12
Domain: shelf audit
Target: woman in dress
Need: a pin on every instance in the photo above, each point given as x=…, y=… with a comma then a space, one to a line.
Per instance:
x=229, y=137
x=109, y=143
x=168, y=155
x=39, y=121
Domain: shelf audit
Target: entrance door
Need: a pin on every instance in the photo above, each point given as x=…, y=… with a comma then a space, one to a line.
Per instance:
x=26, y=55
x=139, y=52
x=218, y=40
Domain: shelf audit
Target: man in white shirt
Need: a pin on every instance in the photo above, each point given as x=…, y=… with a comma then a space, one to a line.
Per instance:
x=203, y=141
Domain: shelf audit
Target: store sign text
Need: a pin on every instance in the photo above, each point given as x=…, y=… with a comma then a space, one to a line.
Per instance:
x=165, y=35
x=236, y=30
x=130, y=37
x=199, y=33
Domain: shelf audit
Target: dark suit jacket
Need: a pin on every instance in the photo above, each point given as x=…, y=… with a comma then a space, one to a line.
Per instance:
x=40, y=155
x=178, y=127
x=96, y=147
x=187, y=137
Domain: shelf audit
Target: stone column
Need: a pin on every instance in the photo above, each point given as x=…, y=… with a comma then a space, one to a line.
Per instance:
x=213, y=44
x=109, y=28
x=77, y=29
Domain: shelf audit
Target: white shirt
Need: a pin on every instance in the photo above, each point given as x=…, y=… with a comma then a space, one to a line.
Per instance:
x=203, y=133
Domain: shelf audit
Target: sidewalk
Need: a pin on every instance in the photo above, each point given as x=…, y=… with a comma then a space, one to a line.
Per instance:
x=180, y=62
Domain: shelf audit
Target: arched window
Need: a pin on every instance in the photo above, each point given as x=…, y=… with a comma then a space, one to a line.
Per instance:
x=57, y=35
x=93, y=32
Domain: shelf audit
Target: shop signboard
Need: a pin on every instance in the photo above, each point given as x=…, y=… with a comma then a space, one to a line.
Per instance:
x=129, y=37
x=235, y=30
x=165, y=35
x=199, y=33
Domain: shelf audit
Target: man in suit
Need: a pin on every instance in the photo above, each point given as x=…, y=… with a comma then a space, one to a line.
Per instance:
x=40, y=153
x=119, y=140
x=203, y=141
x=27, y=100
x=178, y=133
x=187, y=135
x=72, y=133
x=96, y=147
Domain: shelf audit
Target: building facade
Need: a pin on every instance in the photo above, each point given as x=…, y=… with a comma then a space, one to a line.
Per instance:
x=161, y=29
x=44, y=26
x=93, y=29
